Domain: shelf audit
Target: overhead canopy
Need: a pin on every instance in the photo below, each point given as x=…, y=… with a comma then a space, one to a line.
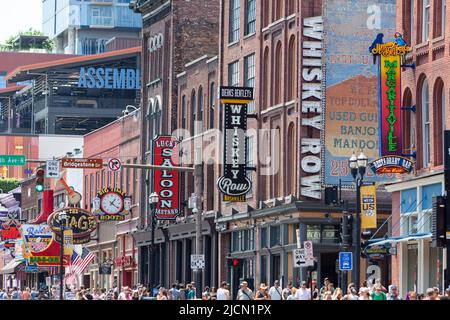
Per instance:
x=405, y=238
x=11, y=266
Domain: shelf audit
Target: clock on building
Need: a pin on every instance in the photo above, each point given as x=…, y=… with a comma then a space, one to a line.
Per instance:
x=111, y=203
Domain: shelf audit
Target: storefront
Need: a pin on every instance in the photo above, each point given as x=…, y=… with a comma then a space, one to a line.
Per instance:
x=419, y=264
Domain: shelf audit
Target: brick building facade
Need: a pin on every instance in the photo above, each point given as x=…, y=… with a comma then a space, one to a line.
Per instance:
x=424, y=24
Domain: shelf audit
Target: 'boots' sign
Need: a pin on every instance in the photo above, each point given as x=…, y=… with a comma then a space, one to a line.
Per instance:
x=234, y=184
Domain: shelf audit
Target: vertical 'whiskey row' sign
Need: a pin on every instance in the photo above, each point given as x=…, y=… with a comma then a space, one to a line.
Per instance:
x=234, y=183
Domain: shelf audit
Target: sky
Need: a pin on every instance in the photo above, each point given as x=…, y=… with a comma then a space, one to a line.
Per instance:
x=19, y=15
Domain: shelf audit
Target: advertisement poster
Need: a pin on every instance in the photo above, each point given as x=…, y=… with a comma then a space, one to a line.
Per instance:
x=351, y=79
x=368, y=207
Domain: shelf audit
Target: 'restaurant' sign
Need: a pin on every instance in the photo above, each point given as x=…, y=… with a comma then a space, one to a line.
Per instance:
x=392, y=164
x=78, y=163
x=234, y=183
x=166, y=153
x=81, y=221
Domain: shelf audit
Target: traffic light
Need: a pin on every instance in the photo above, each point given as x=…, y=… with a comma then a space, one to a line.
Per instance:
x=40, y=180
x=438, y=222
x=331, y=195
x=347, y=229
x=365, y=236
x=234, y=262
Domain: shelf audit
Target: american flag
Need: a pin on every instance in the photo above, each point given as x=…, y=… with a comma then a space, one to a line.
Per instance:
x=79, y=262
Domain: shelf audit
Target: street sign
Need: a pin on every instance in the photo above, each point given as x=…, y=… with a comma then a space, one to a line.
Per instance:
x=345, y=261
x=12, y=160
x=299, y=258
x=80, y=163
x=309, y=254
x=52, y=169
x=28, y=171
x=114, y=165
x=197, y=261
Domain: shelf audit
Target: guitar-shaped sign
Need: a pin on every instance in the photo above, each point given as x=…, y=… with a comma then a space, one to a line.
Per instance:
x=74, y=197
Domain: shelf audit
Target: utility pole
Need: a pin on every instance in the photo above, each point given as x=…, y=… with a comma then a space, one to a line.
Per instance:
x=198, y=210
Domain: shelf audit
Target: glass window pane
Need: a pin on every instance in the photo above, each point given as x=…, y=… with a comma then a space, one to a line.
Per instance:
x=313, y=233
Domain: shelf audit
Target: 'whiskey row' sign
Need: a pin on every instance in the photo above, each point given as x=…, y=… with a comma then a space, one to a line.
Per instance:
x=234, y=183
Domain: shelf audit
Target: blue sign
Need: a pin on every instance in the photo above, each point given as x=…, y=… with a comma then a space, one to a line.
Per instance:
x=345, y=261
x=109, y=78
x=31, y=269
x=28, y=171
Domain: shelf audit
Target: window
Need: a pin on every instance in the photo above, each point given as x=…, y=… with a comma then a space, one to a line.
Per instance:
x=426, y=21
x=200, y=110
x=426, y=123
x=101, y=16
x=330, y=234
x=266, y=88
x=250, y=162
x=264, y=237
x=439, y=18
x=250, y=16
x=292, y=79
x=438, y=116
x=407, y=121
x=292, y=6
x=155, y=118
x=193, y=112
x=313, y=233
x=234, y=20
x=265, y=13
x=212, y=104
x=275, y=236
x=233, y=74
x=249, y=75
x=278, y=9
x=2, y=80
x=183, y=112
x=291, y=160
x=278, y=73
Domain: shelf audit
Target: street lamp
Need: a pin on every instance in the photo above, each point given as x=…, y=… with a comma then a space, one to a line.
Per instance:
x=62, y=217
x=358, y=167
x=153, y=200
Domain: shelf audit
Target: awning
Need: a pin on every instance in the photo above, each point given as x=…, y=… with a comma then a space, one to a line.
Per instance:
x=11, y=266
x=406, y=238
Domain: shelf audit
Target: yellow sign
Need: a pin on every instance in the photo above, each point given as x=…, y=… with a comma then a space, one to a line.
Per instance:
x=368, y=207
x=68, y=242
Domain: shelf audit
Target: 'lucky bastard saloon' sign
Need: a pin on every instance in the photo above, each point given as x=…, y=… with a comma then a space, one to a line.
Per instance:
x=166, y=153
x=234, y=184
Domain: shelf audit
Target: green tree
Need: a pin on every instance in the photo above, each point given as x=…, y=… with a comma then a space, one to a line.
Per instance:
x=8, y=184
x=12, y=45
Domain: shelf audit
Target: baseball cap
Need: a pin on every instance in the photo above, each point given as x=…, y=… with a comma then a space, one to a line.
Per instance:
x=303, y=283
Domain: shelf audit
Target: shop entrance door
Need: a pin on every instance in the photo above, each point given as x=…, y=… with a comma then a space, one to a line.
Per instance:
x=126, y=279
x=328, y=267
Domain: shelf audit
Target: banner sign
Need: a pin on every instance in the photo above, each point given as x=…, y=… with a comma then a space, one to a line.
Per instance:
x=389, y=62
x=351, y=82
x=166, y=182
x=392, y=164
x=80, y=221
x=234, y=183
x=368, y=207
x=68, y=242
x=236, y=94
x=9, y=235
x=111, y=204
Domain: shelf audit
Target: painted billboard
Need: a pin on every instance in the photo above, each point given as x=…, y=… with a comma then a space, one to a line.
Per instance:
x=351, y=83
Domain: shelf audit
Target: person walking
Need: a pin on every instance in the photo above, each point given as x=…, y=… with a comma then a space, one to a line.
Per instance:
x=26, y=294
x=213, y=294
x=303, y=293
x=182, y=292
x=378, y=294
x=244, y=293
x=174, y=293
x=262, y=293
x=190, y=292
x=393, y=293
x=275, y=291
x=287, y=291
x=364, y=294
x=351, y=292
x=337, y=295
x=223, y=293
x=324, y=288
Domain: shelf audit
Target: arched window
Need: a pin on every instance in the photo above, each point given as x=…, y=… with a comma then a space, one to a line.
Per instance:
x=264, y=153
x=292, y=6
x=278, y=9
x=266, y=88
x=193, y=112
x=212, y=104
x=425, y=106
x=155, y=119
x=183, y=112
x=149, y=131
x=407, y=121
x=292, y=79
x=276, y=186
x=291, y=160
x=278, y=73
x=438, y=121
x=200, y=110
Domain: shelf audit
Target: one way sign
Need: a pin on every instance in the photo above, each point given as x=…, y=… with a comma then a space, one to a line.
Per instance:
x=52, y=169
x=299, y=258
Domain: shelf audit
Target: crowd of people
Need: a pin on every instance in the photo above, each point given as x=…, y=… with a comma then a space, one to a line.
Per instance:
x=181, y=291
